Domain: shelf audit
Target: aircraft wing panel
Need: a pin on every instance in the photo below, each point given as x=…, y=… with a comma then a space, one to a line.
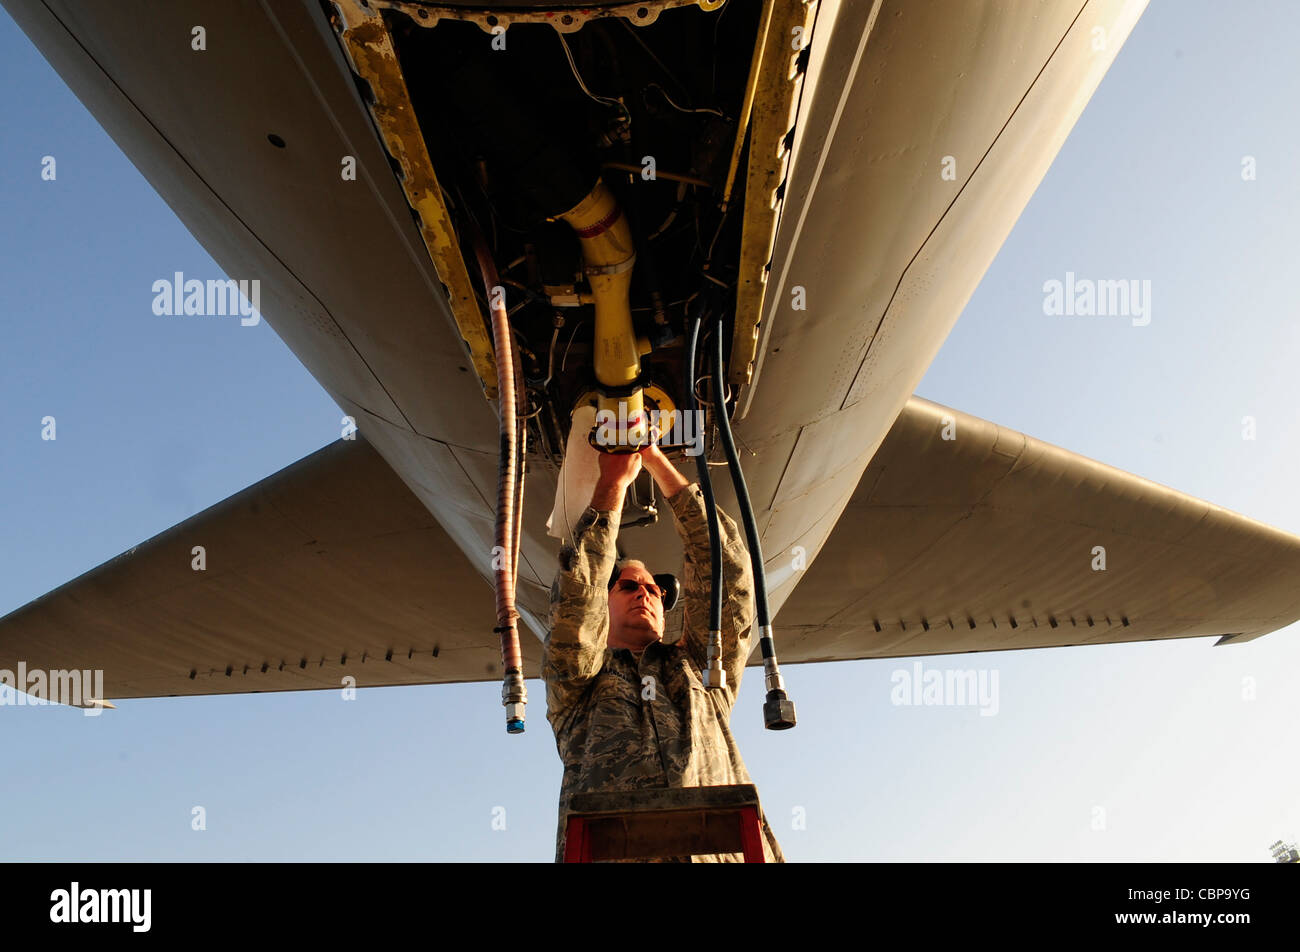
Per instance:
x=988, y=540
x=992, y=540
x=328, y=568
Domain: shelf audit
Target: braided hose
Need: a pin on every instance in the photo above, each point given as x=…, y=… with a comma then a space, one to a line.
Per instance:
x=521, y=412
x=509, y=493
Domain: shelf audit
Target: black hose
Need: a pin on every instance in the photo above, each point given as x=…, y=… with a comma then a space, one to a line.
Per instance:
x=778, y=709
x=738, y=480
x=706, y=484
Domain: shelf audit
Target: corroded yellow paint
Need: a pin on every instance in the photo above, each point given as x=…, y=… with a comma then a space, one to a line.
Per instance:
x=775, y=99
x=370, y=48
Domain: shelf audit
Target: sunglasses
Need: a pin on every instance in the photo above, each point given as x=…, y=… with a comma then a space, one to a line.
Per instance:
x=631, y=585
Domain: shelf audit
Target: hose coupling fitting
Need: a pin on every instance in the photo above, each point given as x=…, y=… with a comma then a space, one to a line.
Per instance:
x=714, y=675
x=514, y=696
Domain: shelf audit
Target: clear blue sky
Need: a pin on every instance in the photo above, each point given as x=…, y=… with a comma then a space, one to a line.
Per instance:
x=158, y=419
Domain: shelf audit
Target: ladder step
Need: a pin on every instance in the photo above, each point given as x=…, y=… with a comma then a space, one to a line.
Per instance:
x=662, y=822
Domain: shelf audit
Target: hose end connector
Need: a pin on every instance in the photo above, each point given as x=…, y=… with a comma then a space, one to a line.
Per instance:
x=514, y=696
x=778, y=711
x=714, y=675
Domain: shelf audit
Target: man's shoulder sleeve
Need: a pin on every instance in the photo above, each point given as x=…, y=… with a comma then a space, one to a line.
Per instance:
x=737, y=584
x=574, y=649
x=692, y=518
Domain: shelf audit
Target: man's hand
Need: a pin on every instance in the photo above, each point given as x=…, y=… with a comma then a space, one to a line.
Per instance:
x=617, y=470
x=666, y=476
x=619, y=467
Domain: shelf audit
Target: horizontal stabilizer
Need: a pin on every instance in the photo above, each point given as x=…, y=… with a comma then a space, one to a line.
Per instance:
x=327, y=569
x=991, y=540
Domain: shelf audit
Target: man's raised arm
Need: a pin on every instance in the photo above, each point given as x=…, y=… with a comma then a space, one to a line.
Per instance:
x=574, y=649
x=687, y=501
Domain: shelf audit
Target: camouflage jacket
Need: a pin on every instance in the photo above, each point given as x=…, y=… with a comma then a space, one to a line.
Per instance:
x=624, y=723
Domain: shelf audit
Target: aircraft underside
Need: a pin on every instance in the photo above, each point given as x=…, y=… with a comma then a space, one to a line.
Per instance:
x=827, y=183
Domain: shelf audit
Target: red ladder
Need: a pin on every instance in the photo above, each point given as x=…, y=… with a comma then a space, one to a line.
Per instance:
x=659, y=822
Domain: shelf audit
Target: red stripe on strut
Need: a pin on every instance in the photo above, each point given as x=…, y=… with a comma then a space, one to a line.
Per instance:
x=591, y=231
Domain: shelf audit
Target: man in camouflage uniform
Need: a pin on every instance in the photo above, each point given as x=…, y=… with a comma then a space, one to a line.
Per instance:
x=629, y=711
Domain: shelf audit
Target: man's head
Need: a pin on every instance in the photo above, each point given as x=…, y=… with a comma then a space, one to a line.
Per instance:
x=636, y=608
